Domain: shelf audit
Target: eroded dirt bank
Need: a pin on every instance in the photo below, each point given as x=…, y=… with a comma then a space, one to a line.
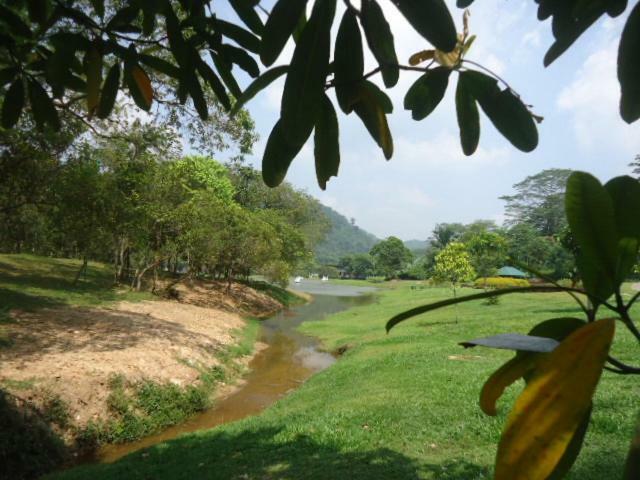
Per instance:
x=65, y=358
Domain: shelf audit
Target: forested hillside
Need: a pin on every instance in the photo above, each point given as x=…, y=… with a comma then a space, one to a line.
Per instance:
x=417, y=246
x=344, y=238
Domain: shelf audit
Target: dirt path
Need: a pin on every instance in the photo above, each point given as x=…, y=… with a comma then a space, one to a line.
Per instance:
x=73, y=352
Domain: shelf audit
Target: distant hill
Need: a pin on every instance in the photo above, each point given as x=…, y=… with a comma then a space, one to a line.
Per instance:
x=343, y=239
x=416, y=246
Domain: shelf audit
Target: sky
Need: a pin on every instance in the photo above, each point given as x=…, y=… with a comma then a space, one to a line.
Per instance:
x=429, y=180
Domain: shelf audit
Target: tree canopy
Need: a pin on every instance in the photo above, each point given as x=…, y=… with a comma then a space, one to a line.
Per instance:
x=75, y=57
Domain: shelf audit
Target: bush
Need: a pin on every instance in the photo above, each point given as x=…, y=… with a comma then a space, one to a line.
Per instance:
x=500, y=282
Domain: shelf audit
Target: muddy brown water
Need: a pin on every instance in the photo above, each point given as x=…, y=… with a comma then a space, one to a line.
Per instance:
x=289, y=359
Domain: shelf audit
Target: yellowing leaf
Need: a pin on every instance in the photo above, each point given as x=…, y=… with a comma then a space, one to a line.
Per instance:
x=421, y=56
x=549, y=411
x=507, y=374
x=144, y=84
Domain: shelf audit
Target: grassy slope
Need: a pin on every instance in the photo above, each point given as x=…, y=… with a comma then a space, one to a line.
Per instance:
x=29, y=282
x=398, y=406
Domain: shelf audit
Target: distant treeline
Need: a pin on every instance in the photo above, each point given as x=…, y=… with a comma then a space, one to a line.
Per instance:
x=535, y=236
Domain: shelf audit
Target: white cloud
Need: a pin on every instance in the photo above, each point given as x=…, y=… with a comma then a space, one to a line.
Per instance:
x=592, y=100
x=443, y=153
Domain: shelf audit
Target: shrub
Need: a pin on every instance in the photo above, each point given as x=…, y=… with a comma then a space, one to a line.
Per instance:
x=500, y=282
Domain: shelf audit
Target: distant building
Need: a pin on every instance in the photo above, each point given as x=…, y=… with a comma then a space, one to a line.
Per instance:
x=511, y=272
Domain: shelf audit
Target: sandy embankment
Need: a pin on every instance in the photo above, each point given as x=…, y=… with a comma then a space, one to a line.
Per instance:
x=72, y=352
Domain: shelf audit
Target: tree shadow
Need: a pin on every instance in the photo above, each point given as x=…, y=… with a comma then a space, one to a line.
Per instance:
x=597, y=464
x=29, y=447
x=33, y=335
x=268, y=453
x=12, y=298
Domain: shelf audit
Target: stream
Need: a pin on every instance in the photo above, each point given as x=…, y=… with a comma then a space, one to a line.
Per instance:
x=289, y=359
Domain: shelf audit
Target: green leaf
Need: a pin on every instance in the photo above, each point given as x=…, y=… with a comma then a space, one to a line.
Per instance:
x=597, y=283
x=278, y=155
x=280, y=25
x=109, y=92
x=304, y=86
x=426, y=92
x=302, y=22
x=224, y=69
x=93, y=73
x=380, y=41
x=382, y=98
x=248, y=15
x=240, y=58
x=625, y=195
x=629, y=67
x=326, y=146
x=123, y=18
x=44, y=112
x=98, y=7
x=14, y=22
x=13, y=103
x=160, y=65
x=7, y=75
x=38, y=10
x=557, y=328
x=432, y=20
x=371, y=109
x=194, y=88
x=258, y=84
x=468, y=116
x=214, y=82
x=591, y=217
x=506, y=111
x=468, y=298
x=238, y=34
x=149, y=12
x=348, y=61
x=177, y=44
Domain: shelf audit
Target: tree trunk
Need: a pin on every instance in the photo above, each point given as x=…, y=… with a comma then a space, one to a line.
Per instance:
x=83, y=269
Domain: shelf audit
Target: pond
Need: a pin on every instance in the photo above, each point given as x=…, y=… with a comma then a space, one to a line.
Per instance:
x=289, y=359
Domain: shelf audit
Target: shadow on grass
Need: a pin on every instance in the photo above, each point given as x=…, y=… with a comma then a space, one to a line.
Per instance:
x=15, y=299
x=28, y=446
x=598, y=464
x=265, y=454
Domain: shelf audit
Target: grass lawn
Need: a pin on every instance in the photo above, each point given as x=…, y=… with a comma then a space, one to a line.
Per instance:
x=400, y=406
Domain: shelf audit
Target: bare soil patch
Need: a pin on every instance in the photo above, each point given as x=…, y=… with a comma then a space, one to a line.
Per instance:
x=72, y=352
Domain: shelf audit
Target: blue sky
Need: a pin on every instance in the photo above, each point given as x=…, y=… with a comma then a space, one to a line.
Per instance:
x=429, y=180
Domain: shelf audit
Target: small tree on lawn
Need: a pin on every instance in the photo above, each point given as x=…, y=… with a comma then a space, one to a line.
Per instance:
x=453, y=264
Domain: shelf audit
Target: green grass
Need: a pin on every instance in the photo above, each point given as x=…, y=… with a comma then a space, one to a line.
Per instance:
x=397, y=406
x=29, y=282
